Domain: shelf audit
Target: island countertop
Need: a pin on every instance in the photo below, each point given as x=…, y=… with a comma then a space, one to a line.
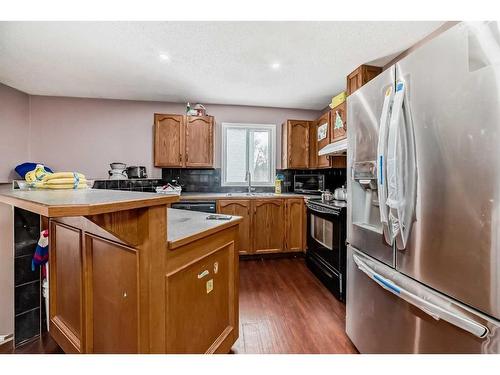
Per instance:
x=186, y=226
x=83, y=202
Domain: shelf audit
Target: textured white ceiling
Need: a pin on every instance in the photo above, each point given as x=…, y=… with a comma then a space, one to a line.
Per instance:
x=209, y=62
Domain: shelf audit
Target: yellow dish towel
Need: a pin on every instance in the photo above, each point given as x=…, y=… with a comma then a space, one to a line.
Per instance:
x=36, y=174
x=59, y=175
x=41, y=179
x=63, y=181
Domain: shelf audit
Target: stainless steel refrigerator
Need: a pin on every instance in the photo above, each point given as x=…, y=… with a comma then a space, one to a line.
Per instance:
x=423, y=184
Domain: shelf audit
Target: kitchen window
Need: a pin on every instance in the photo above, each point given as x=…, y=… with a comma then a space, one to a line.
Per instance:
x=248, y=147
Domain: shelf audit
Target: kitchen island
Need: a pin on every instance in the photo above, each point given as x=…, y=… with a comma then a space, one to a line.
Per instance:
x=129, y=275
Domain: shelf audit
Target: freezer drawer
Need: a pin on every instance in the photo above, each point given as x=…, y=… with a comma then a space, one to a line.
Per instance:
x=388, y=312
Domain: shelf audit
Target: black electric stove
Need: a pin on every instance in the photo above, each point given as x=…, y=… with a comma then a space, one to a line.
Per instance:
x=326, y=248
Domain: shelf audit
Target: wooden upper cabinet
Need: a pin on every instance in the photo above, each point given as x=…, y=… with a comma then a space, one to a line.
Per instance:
x=323, y=127
x=295, y=224
x=339, y=127
x=240, y=208
x=169, y=140
x=295, y=144
x=184, y=141
x=360, y=76
x=199, y=141
x=269, y=225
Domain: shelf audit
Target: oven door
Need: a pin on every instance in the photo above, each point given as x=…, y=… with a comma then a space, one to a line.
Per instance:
x=324, y=237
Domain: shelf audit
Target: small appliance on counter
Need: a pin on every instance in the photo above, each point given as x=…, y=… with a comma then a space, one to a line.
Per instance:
x=118, y=171
x=137, y=172
x=309, y=183
x=340, y=194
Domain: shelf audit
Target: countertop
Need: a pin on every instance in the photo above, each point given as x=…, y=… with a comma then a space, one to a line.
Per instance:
x=83, y=202
x=186, y=226
x=215, y=196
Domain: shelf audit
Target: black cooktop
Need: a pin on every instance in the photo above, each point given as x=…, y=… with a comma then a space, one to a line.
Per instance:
x=328, y=204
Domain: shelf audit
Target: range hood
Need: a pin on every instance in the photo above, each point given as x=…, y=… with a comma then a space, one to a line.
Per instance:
x=334, y=148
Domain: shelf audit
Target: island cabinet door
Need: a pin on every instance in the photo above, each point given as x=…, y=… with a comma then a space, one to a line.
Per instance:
x=169, y=140
x=111, y=295
x=295, y=224
x=268, y=225
x=66, y=287
x=239, y=208
x=199, y=142
x=202, y=307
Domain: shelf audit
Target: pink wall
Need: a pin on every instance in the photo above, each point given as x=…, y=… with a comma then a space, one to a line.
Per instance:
x=87, y=134
x=14, y=130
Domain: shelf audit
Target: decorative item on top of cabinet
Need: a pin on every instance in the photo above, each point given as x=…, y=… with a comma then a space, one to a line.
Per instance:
x=239, y=208
x=268, y=224
x=323, y=135
x=339, y=122
x=360, y=76
x=295, y=144
x=295, y=224
x=184, y=141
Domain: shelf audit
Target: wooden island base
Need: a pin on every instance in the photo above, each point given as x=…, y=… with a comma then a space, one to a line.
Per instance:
x=119, y=283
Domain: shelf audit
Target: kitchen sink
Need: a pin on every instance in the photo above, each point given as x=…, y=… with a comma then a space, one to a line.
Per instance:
x=249, y=194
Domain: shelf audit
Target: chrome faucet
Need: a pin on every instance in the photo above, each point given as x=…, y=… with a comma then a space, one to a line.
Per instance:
x=249, y=180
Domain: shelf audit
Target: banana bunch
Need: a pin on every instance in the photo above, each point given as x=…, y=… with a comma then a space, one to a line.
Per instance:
x=40, y=178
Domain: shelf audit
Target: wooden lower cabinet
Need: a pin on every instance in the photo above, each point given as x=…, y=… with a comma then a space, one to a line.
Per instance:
x=240, y=208
x=269, y=225
x=295, y=216
x=269, y=228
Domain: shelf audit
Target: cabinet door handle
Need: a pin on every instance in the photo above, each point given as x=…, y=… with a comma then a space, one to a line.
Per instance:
x=180, y=157
x=187, y=157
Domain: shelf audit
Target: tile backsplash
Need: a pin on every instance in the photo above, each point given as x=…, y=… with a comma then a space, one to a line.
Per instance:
x=209, y=180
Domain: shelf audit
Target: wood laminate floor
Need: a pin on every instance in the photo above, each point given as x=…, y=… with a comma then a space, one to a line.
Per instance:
x=283, y=309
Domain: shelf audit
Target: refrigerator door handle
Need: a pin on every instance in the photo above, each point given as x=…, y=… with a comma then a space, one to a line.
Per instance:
x=401, y=168
x=432, y=309
x=381, y=164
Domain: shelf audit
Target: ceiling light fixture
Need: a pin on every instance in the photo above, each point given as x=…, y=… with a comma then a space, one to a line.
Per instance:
x=164, y=57
x=275, y=66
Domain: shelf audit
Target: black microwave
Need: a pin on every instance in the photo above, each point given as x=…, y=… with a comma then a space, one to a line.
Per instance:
x=309, y=183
